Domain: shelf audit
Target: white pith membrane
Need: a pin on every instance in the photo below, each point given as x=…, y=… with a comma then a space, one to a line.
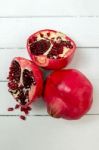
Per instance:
x=21, y=86
x=52, y=37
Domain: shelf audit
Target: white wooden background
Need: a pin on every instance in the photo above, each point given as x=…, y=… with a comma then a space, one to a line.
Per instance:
x=80, y=20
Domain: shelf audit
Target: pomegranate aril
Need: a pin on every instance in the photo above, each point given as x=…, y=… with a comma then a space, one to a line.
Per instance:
x=60, y=51
x=15, y=71
x=21, y=87
x=22, y=97
x=29, y=108
x=41, y=35
x=27, y=78
x=22, y=108
x=17, y=106
x=34, y=38
x=68, y=44
x=22, y=117
x=54, y=52
x=25, y=110
x=48, y=34
x=71, y=46
x=10, y=109
x=40, y=47
x=50, y=55
x=12, y=85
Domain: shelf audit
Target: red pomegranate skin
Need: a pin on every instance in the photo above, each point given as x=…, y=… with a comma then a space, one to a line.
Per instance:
x=52, y=64
x=36, y=90
x=68, y=94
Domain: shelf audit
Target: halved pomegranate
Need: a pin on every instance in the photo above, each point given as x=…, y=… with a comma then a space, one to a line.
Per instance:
x=50, y=49
x=68, y=94
x=24, y=81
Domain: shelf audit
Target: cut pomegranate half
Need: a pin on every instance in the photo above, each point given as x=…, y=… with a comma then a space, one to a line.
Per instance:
x=24, y=81
x=50, y=49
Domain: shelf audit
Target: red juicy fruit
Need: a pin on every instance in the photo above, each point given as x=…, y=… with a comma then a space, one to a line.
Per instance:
x=24, y=81
x=68, y=94
x=50, y=49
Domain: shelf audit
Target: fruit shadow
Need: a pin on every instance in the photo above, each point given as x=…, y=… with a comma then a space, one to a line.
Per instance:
x=39, y=105
x=78, y=59
x=88, y=119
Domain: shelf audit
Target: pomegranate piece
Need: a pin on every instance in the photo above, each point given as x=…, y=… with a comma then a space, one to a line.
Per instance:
x=50, y=49
x=10, y=109
x=68, y=94
x=22, y=117
x=17, y=106
x=24, y=81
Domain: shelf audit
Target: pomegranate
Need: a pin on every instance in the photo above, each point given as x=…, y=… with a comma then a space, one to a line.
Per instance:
x=24, y=82
x=50, y=49
x=68, y=94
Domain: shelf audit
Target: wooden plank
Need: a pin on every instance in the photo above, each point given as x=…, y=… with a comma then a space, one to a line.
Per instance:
x=15, y=31
x=49, y=8
x=86, y=60
x=43, y=133
x=38, y=108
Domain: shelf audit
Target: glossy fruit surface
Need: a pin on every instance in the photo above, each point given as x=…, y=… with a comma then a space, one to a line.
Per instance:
x=68, y=94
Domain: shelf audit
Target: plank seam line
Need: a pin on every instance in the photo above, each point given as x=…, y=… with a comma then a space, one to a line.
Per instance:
x=12, y=48
x=38, y=115
x=50, y=16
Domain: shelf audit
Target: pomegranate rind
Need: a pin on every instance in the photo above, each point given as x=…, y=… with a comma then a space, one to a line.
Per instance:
x=50, y=63
x=68, y=94
x=35, y=91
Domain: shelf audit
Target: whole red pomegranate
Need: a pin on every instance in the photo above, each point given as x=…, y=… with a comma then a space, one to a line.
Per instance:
x=50, y=49
x=24, y=81
x=68, y=94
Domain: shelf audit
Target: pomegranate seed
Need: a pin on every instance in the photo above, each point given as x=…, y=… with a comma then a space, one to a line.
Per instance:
x=40, y=47
x=41, y=35
x=17, y=106
x=22, y=117
x=12, y=85
x=22, y=109
x=30, y=41
x=25, y=110
x=10, y=109
x=34, y=38
x=48, y=34
x=29, y=108
x=27, y=78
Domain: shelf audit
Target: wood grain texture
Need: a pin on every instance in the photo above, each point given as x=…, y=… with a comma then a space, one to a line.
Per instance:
x=49, y=8
x=15, y=31
x=41, y=133
x=85, y=59
x=79, y=19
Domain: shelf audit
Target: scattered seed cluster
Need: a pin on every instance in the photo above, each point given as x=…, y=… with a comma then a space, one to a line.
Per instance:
x=19, y=83
x=22, y=109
